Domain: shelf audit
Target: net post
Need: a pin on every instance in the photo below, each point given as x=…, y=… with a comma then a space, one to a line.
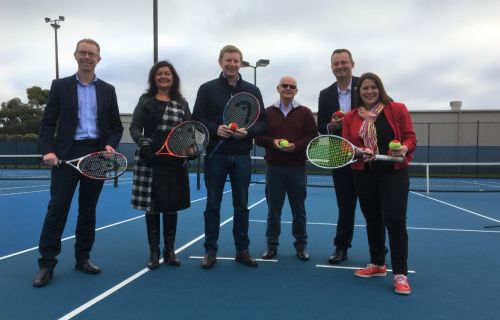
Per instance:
x=198, y=173
x=254, y=154
x=427, y=178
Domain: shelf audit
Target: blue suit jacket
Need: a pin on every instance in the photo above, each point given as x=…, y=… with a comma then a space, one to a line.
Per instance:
x=60, y=117
x=329, y=104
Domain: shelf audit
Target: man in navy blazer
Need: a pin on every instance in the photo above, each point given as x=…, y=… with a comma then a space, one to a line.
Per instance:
x=81, y=117
x=340, y=97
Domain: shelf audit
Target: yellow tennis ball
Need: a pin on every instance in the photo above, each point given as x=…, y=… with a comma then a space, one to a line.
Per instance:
x=283, y=143
x=394, y=145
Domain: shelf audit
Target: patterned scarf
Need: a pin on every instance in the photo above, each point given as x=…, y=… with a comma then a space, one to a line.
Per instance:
x=143, y=173
x=172, y=117
x=368, y=132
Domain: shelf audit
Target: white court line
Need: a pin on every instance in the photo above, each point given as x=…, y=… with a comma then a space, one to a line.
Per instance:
x=312, y=223
x=232, y=259
x=97, y=229
x=25, y=187
x=456, y=207
x=351, y=268
x=409, y=228
x=122, y=284
x=26, y=192
x=107, y=184
x=71, y=237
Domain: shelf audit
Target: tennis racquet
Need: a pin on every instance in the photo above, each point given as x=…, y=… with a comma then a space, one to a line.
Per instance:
x=188, y=139
x=243, y=109
x=332, y=152
x=101, y=165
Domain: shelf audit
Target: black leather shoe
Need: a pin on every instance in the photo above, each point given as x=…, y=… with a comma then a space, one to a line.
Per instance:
x=153, y=262
x=270, y=253
x=245, y=258
x=209, y=260
x=170, y=258
x=87, y=266
x=302, y=254
x=338, y=256
x=43, y=277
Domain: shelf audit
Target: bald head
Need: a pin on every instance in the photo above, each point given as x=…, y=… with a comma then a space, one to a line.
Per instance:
x=288, y=80
x=287, y=89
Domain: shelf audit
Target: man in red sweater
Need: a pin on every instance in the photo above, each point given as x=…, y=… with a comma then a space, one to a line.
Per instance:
x=290, y=128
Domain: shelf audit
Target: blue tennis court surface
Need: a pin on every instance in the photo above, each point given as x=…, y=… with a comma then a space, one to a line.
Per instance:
x=455, y=261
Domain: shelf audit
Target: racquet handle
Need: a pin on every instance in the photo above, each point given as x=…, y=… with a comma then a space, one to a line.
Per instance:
x=388, y=158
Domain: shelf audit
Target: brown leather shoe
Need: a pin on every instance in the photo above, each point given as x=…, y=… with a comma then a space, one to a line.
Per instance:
x=245, y=258
x=209, y=260
x=87, y=266
x=302, y=254
x=338, y=256
x=43, y=277
x=270, y=253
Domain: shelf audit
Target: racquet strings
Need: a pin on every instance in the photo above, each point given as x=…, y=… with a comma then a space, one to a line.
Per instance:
x=330, y=152
x=188, y=140
x=103, y=165
x=243, y=109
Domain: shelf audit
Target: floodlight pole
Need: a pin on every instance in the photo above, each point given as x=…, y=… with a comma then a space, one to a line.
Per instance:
x=155, y=31
x=259, y=63
x=54, y=24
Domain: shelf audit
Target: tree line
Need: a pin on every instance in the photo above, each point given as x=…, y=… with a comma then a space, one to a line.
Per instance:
x=20, y=121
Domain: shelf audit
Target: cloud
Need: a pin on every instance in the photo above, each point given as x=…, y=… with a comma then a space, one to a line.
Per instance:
x=426, y=52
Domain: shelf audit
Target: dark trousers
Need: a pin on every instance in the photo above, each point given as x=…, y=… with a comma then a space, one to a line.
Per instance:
x=282, y=181
x=383, y=198
x=64, y=181
x=217, y=168
x=346, y=203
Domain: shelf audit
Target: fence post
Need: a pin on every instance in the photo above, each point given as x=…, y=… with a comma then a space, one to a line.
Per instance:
x=477, y=141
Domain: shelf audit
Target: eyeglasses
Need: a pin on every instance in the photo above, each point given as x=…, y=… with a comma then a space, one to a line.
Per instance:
x=288, y=86
x=84, y=53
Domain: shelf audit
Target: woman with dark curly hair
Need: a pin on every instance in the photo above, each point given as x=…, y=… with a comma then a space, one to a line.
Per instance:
x=161, y=183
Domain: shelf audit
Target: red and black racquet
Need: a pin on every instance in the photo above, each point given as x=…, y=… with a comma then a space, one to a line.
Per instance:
x=188, y=139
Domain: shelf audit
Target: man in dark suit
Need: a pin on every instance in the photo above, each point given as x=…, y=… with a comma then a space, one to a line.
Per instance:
x=81, y=116
x=340, y=97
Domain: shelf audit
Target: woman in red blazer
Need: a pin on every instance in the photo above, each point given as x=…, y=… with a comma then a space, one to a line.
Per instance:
x=382, y=187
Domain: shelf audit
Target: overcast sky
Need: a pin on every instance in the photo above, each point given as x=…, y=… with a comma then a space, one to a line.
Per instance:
x=427, y=52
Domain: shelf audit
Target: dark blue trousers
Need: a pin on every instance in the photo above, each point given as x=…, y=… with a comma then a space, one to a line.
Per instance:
x=346, y=203
x=217, y=168
x=281, y=182
x=64, y=181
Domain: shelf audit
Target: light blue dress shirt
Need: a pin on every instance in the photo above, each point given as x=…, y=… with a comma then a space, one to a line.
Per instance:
x=87, y=111
x=345, y=99
x=286, y=109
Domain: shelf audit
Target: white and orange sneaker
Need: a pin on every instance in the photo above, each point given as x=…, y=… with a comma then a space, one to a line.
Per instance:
x=401, y=284
x=371, y=270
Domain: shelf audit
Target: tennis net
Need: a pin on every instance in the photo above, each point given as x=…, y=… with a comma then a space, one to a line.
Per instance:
x=23, y=167
x=424, y=177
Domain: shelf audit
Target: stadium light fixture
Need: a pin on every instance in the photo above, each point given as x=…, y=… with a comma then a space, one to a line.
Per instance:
x=54, y=23
x=260, y=63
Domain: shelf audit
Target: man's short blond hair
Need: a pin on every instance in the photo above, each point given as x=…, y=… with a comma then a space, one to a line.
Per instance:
x=91, y=41
x=230, y=49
